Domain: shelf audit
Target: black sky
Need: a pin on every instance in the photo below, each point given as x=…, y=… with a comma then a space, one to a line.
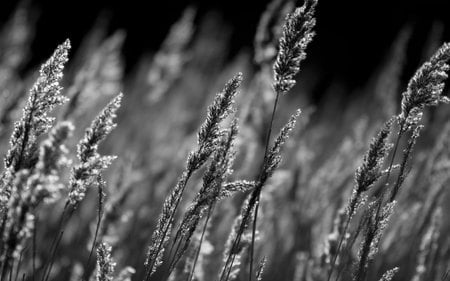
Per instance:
x=352, y=36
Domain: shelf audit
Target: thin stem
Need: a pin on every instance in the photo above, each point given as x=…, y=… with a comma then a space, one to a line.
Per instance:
x=34, y=247
x=197, y=254
x=254, y=199
x=18, y=264
x=252, y=245
x=171, y=254
x=174, y=260
x=245, y=216
x=61, y=226
x=11, y=270
x=99, y=220
x=347, y=248
x=52, y=260
x=172, y=217
x=266, y=149
x=232, y=261
x=342, y=236
x=361, y=273
x=4, y=268
x=386, y=182
x=341, y=240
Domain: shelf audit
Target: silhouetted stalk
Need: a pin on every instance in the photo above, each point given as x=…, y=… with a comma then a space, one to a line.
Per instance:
x=386, y=182
x=266, y=149
x=52, y=260
x=56, y=239
x=11, y=244
x=341, y=240
x=99, y=220
x=379, y=204
x=197, y=253
x=19, y=264
x=166, y=229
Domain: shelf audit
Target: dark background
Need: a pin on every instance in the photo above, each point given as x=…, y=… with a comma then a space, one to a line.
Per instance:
x=352, y=36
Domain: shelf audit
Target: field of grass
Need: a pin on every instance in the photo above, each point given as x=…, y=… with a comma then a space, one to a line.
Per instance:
x=197, y=166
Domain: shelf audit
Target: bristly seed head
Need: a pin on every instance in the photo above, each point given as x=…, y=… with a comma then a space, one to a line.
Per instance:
x=297, y=34
x=44, y=96
x=91, y=162
x=425, y=87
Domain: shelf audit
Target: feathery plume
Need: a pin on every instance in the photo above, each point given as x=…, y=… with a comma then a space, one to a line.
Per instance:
x=208, y=136
x=297, y=34
x=52, y=158
x=32, y=187
x=374, y=227
x=273, y=157
x=19, y=223
x=208, y=194
x=371, y=169
x=44, y=96
x=426, y=86
x=91, y=162
x=222, y=106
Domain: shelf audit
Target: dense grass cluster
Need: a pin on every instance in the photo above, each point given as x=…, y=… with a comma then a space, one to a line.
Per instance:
x=239, y=186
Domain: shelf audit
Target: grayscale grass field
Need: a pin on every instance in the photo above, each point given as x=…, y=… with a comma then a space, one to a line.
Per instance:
x=194, y=166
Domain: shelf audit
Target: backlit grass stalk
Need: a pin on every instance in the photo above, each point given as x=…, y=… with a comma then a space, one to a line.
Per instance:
x=85, y=174
x=375, y=225
x=297, y=34
x=208, y=137
x=101, y=185
x=366, y=176
x=424, y=89
x=91, y=162
x=218, y=170
x=271, y=163
x=32, y=188
x=44, y=96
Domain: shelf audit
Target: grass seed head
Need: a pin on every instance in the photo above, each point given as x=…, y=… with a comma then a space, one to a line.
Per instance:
x=297, y=34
